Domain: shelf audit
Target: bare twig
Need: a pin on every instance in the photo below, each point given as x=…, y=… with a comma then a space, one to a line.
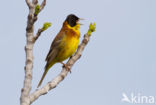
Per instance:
x=30, y=5
x=43, y=5
x=38, y=34
x=35, y=2
x=52, y=84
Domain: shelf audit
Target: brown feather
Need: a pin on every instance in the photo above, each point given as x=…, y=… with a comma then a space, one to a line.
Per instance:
x=55, y=45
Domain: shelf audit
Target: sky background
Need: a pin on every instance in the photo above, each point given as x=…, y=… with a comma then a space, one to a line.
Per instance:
x=120, y=57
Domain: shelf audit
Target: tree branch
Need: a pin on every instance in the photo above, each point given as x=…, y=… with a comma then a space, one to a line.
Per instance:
x=52, y=84
x=30, y=5
x=25, y=91
x=38, y=34
x=46, y=25
x=43, y=5
x=24, y=99
x=35, y=2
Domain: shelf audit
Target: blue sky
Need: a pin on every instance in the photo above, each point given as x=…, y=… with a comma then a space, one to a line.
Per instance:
x=120, y=57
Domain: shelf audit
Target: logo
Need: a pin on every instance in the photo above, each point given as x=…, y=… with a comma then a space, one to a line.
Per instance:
x=138, y=99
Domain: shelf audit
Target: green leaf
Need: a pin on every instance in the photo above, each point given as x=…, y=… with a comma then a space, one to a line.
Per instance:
x=37, y=9
x=46, y=25
x=91, y=29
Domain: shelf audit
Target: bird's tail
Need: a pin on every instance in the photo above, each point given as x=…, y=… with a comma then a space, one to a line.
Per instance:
x=47, y=67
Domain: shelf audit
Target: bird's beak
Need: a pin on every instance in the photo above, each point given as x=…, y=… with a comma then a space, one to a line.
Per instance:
x=80, y=20
x=80, y=23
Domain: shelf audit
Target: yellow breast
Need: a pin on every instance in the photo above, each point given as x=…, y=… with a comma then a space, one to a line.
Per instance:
x=71, y=42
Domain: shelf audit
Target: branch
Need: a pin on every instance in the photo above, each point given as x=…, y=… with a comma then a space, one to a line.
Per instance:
x=43, y=5
x=38, y=8
x=38, y=34
x=30, y=5
x=24, y=99
x=25, y=91
x=46, y=25
x=35, y=2
x=52, y=84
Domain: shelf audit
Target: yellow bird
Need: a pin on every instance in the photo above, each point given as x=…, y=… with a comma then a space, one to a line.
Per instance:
x=64, y=45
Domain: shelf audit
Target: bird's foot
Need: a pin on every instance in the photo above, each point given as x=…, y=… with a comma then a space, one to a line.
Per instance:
x=66, y=67
x=71, y=57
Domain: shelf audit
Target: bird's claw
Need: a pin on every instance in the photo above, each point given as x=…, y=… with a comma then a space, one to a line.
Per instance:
x=66, y=67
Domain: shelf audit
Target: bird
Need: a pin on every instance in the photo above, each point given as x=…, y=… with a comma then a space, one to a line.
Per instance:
x=64, y=44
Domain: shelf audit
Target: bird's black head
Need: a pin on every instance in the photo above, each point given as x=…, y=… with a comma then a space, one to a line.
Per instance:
x=72, y=20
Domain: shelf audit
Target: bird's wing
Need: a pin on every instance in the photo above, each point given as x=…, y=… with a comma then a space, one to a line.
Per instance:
x=54, y=49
